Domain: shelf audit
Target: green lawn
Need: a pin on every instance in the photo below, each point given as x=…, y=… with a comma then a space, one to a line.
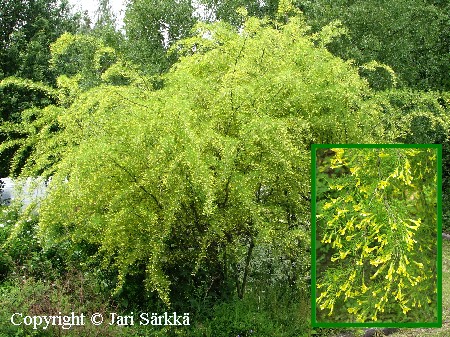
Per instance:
x=445, y=330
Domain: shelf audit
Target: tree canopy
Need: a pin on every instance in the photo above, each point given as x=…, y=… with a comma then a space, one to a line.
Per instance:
x=212, y=162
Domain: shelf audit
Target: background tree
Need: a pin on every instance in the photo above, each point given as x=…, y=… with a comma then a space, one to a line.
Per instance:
x=152, y=27
x=106, y=27
x=410, y=36
x=27, y=28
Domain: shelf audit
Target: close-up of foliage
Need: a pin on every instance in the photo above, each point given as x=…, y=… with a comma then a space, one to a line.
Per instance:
x=175, y=150
x=377, y=232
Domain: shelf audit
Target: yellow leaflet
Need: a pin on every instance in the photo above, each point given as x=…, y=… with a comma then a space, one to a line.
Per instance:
x=319, y=299
x=401, y=269
x=364, y=189
x=353, y=170
x=383, y=184
x=380, y=260
x=339, y=152
x=416, y=222
x=342, y=211
x=420, y=265
x=348, y=198
x=413, y=283
x=412, y=152
x=337, y=242
x=390, y=271
x=378, y=271
x=327, y=205
x=364, y=288
x=330, y=306
x=395, y=174
x=349, y=223
x=409, y=240
x=369, y=250
x=405, y=309
x=342, y=255
x=357, y=207
x=407, y=165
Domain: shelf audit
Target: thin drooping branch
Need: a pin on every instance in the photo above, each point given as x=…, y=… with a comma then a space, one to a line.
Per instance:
x=133, y=177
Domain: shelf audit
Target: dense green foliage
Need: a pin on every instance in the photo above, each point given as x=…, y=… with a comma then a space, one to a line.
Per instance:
x=412, y=37
x=26, y=30
x=376, y=218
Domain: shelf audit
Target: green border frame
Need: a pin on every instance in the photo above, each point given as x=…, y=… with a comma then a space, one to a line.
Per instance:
x=436, y=324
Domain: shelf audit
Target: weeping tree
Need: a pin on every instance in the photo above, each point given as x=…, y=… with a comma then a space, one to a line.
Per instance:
x=194, y=185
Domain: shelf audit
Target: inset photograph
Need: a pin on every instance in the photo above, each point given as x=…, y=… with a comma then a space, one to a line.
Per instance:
x=375, y=235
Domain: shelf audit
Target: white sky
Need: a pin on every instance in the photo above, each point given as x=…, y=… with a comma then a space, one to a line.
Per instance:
x=118, y=7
